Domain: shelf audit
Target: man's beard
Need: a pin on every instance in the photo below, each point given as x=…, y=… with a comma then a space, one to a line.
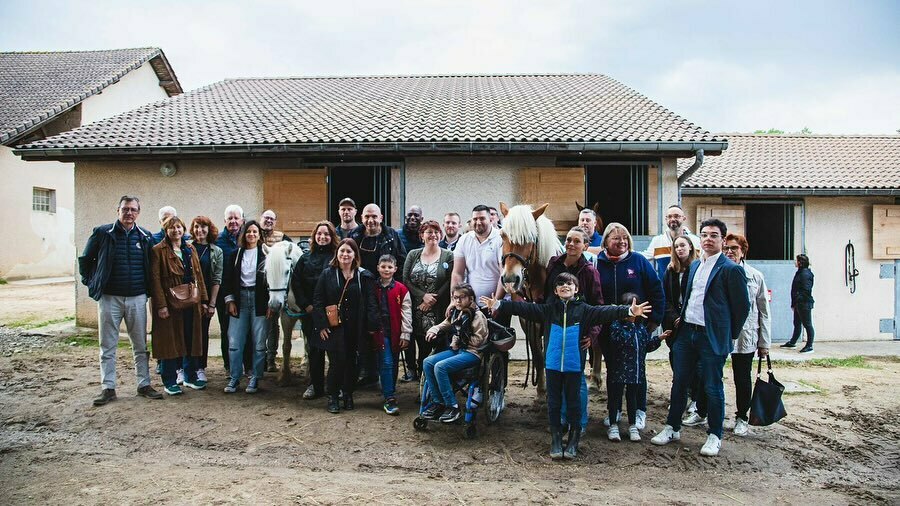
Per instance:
x=674, y=226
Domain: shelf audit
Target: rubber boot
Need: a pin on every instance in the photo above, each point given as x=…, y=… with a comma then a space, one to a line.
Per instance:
x=572, y=447
x=556, y=449
x=348, y=402
x=333, y=404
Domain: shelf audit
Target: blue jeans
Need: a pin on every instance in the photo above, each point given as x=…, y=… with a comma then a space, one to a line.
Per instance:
x=237, y=337
x=692, y=347
x=388, y=359
x=439, y=367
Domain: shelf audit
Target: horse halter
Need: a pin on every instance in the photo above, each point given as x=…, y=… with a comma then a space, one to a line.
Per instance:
x=287, y=279
x=525, y=263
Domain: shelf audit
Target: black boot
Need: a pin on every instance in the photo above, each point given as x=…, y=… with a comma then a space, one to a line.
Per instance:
x=348, y=402
x=789, y=344
x=333, y=405
x=574, y=438
x=556, y=449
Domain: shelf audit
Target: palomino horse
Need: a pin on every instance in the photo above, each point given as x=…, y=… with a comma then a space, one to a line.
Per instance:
x=529, y=242
x=280, y=261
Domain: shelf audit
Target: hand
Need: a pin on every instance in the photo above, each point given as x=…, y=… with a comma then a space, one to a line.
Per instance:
x=677, y=322
x=640, y=310
x=404, y=344
x=163, y=313
x=586, y=342
x=487, y=301
x=454, y=347
x=309, y=309
x=762, y=352
x=325, y=334
x=665, y=335
x=232, y=309
x=430, y=299
x=430, y=336
x=210, y=311
x=424, y=307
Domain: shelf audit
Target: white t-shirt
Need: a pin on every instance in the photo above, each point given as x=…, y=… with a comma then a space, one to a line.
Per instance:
x=482, y=261
x=694, y=312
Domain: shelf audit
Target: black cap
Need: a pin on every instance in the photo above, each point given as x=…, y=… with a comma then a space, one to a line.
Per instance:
x=347, y=201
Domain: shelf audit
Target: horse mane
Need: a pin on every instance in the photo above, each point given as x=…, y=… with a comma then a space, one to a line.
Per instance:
x=520, y=227
x=276, y=261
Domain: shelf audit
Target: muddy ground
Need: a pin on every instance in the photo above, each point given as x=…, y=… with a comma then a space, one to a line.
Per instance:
x=838, y=446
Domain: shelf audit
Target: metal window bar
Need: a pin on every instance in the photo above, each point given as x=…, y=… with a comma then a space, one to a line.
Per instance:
x=41, y=200
x=638, y=200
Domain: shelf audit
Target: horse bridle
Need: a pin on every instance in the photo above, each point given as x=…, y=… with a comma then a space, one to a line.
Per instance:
x=525, y=263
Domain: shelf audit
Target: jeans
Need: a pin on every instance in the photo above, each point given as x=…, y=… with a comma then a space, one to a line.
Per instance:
x=438, y=368
x=272, y=334
x=614, y=403
x=419, y=349
x=389, y=361
x=247, y=322
x=112, y=309
x=803, y=317
x=742, y=367
x=563, y=390
x=692, y=347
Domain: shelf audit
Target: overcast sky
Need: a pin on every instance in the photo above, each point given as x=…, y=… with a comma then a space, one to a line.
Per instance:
x=729, y=66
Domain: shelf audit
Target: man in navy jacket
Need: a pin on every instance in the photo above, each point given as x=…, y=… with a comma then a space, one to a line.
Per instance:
x=716, y=305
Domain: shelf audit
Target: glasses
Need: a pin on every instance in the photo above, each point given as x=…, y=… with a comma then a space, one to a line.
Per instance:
x=734, y=249
x=133, y=210
x=460, y=298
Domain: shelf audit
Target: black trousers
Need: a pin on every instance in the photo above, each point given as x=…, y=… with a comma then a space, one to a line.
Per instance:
x=343, y=370
x=204, y=328
x=614, y=402
x=803, y=317
x=222, y=315
x=742, y=368
x=561, y=384
x=314, y=356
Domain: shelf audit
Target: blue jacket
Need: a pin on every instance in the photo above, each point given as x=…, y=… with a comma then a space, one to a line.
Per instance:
x=565, y=325
x=726, y=303
x=629, y=343
x=634, y=274
x=159, y=236
x=99, y=257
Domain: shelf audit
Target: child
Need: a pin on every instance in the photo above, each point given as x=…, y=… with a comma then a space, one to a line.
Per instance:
x=629, y=342
x=469, y=329
x=395, y=312
x=566, y=322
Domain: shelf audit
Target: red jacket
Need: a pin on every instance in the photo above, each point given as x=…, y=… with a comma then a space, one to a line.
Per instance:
x=397, y=316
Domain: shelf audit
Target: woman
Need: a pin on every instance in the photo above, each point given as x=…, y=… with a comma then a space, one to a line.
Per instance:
x=352, y=289
x=176, y=332
x=621, y=270
x=322, y=244
x=426, y=273
x=802, y=303
x=754, y=337
x=203, y=232
x=247, y=299
x=589, y=290
x=675, y=281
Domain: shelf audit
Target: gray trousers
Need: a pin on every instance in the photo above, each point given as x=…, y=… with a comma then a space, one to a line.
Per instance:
x=112, y=309
x=272, y=334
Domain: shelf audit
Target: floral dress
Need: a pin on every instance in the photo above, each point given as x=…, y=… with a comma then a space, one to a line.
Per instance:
x=424, y=277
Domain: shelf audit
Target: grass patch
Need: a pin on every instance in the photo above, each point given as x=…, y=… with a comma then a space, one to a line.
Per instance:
x=91, y=341
x=28, y=323
x=3, y=281
x=856, y=362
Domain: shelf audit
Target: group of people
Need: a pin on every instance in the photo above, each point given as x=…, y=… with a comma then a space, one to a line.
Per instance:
x=369, y=297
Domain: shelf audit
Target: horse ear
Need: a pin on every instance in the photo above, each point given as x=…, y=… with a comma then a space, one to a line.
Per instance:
x=539, y=211
x=504, y=209
x=597, y=207
x=578, y=206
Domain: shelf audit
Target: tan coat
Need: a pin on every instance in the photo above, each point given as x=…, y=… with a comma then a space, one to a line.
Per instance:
x=166, y=271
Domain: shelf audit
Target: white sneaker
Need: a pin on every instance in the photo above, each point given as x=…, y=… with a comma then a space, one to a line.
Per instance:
x=633, y=433
x=640, y=420
x=693, y=420
x=606, y=422
x=666, y=436
x=712, y=446
x=201, y=375
x=741, y=427
x=692, y=407
x=613, y=433
x=179, y=379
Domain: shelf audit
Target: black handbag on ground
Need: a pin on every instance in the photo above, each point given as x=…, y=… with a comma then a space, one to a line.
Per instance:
x=766, y=406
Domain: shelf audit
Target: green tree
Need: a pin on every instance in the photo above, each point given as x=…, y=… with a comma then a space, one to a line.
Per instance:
x=771, y=131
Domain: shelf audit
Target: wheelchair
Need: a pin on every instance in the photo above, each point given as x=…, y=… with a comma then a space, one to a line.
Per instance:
x=483, y=385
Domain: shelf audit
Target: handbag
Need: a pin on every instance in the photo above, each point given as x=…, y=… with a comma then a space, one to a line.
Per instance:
x=184, y=296
x=766, y=407
x=333, y=311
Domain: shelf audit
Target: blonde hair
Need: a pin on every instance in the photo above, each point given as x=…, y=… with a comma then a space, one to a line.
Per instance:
x=617, y=227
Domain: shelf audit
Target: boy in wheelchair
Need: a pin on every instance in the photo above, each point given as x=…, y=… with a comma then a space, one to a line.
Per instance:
x=468, y=329
x=566, y=322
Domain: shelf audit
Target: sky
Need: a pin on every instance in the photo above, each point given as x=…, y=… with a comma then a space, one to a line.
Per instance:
x=729, y=66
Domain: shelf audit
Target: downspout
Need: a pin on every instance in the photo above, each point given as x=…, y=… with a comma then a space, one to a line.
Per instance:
x=698, y=161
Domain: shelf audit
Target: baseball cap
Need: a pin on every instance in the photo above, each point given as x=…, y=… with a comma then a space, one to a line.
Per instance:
x=347, y=201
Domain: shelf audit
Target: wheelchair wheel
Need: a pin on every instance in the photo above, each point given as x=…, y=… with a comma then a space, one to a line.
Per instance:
x=494, y=387
x=471, y=431
x=420, y=423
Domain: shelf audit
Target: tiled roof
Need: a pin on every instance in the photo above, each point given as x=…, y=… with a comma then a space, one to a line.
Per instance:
x=436, y=109
x=37, y=86
x=800, y=162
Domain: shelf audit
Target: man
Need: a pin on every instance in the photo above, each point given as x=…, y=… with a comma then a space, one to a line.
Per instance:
x=716, y=306
x=375, y=239
x=409, y=234
x=587, y=221
x=267, y=225
x=659, y=252
x=451, y=231
x=165, y=212
x=347, y=212
x=115, y=266
x=270, y=236
x=227, y=240
x=496, y=219
x=476, y=259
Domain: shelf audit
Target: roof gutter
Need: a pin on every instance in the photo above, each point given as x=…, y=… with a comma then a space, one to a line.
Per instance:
x=811, y=192
x=698, y=161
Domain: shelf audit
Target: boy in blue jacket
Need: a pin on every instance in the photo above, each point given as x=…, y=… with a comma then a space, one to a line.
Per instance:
x=566, y=322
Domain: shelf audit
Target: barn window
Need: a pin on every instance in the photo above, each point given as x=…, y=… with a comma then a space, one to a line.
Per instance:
x=43, y=200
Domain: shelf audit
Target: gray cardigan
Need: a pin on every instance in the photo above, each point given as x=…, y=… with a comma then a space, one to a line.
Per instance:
x=444, y=270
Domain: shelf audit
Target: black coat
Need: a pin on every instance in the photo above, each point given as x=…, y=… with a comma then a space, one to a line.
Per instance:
x=386, y=243
x=801, y=289
x=231, y=280
x=328, y=292
x=674, y=285
x=306, y=274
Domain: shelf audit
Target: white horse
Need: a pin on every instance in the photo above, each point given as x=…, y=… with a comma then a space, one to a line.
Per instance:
x=281, y=258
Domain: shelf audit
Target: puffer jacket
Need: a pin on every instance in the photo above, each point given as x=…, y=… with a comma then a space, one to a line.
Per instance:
x=104, y=252
x=629, y=344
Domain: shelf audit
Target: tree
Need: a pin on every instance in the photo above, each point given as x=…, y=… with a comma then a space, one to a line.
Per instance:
x=771, y=131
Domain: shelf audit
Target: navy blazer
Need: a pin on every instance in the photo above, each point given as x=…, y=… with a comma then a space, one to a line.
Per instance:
x=725, y=305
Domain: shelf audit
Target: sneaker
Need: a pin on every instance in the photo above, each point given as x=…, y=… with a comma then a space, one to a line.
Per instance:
x=409, y=377
x=252, y=386
x=634, y=433
x=106, y=396
x=201, y=375
x=197, y=384
x=606, y=422
x=640, y=420
x=179, y=377
x=433, y=412
x=692, y=407
x=666, y=436
x=390, y=407
x=693, y=420
x=613, y=433
x=789, y=345
x=232, y=385
x=712, y=446
x=271, y=367
x=148, y=392
x=451, y=415
x=173, y=390
x=741, y=427
x=806, y=349
x=311, y=393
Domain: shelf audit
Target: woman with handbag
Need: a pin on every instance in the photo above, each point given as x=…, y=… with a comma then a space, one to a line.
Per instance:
x=247, y=299
x=179, y=301
x=345, y=313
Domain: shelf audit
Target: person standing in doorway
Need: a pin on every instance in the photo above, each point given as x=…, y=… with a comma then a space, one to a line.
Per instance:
x=347, y=213
x=802, y=304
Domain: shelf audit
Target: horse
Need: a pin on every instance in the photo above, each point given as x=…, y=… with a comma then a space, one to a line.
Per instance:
x=529, y=242
x=281, y=258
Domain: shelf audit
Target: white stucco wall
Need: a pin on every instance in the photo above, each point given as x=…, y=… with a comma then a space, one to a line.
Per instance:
x=138, y=87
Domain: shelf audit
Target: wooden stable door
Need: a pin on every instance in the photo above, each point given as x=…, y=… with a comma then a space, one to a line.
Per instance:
x=299, y=197
x=560, y=186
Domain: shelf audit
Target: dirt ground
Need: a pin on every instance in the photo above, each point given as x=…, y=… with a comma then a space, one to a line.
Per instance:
x=838, y=446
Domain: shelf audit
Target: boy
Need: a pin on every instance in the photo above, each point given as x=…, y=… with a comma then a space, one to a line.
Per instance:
x=566, y=321
x=395, y=312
